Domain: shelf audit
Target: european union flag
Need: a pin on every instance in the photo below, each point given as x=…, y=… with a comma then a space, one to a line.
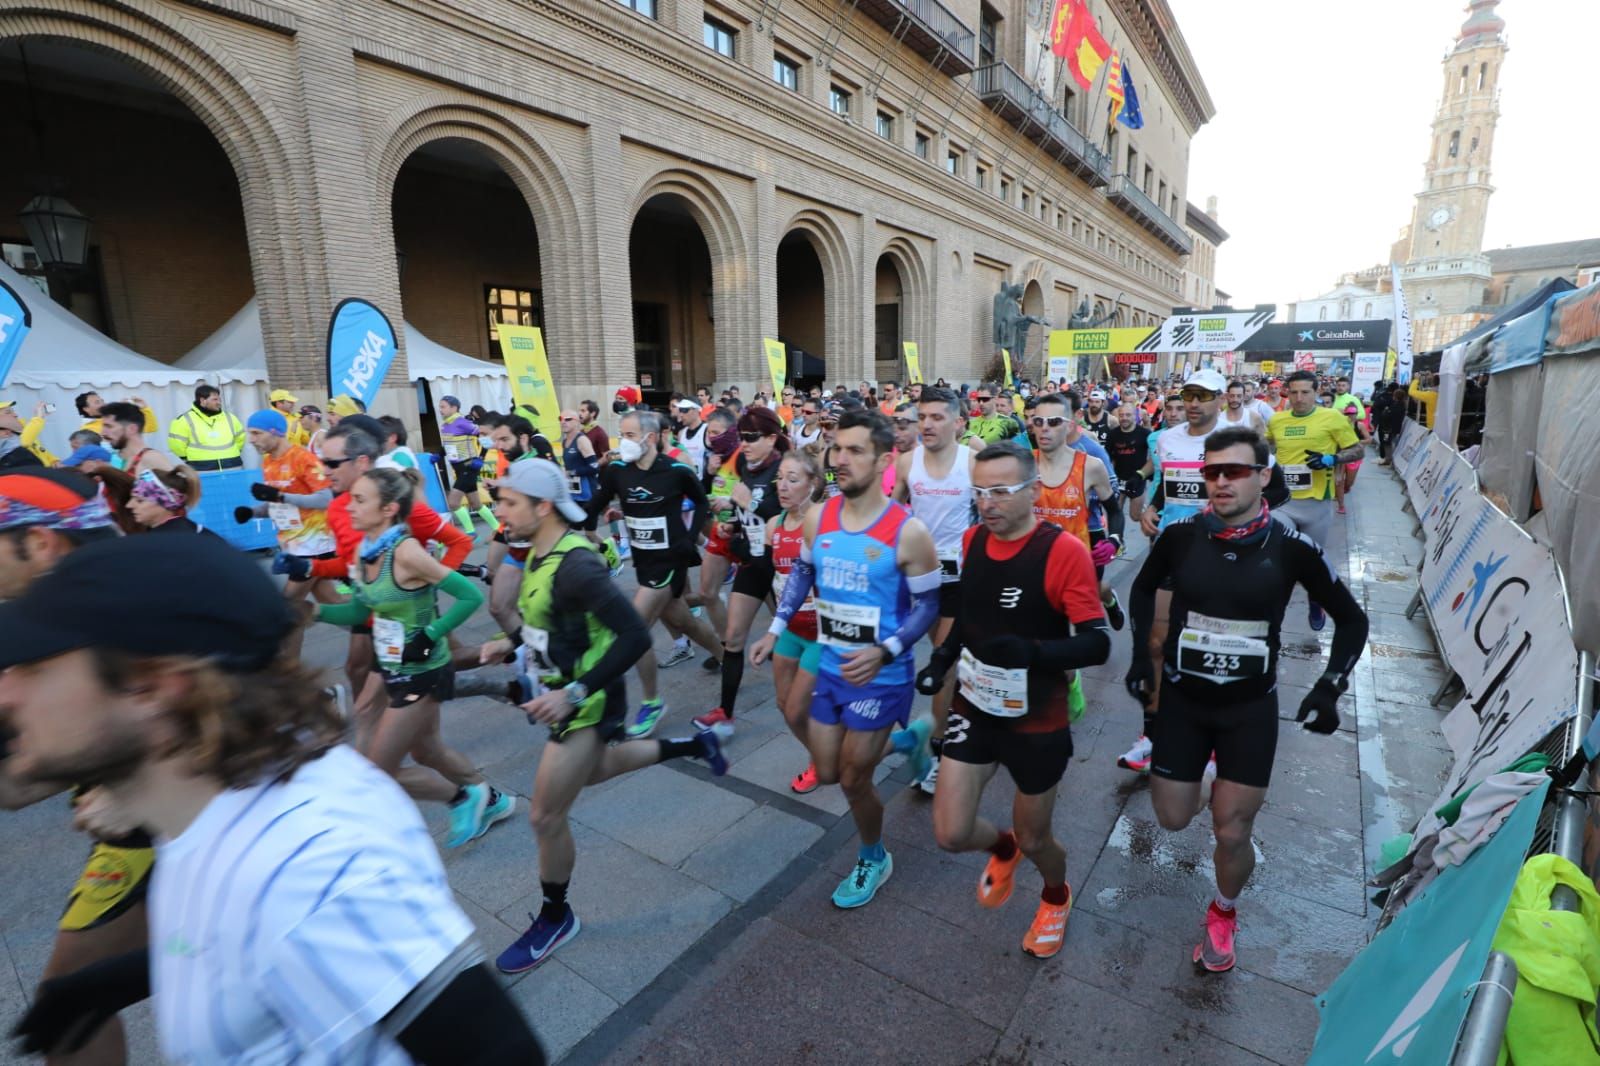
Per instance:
x=1130, y=116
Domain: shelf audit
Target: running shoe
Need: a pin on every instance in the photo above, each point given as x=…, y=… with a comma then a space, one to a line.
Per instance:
x=711, y=665
x=466, y=815
x=805, y=781
x=1137, y=758
x=680, y=653
x=537, y=944
x=1316, y=617
x=863, y=882
x=498, y=810
x=920, y=757
x=1215, y=950
x=711, y=752
x=930, y=780
x=1340, y=509
x=644, y=721
x=1049, y=928
x=717, y=721
x=994, y=887
x=1114, y=612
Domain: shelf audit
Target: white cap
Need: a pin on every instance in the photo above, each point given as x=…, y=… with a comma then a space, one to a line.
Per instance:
x=1097, y=395
x=687, y=404
x=543, y=480
x=1209, y=379
x=827, y=394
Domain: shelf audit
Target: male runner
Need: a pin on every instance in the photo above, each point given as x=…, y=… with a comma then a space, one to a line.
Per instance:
x=936, y=481
x=124, y=432
x=891, y=398
x=1237, y=412
x=651, y=490
x=1309, y=442
x=1068, y=489
x=807, y=429
x=1343, y=397
x=693, y=436
x=876, y=578
x=1095, y=419
x=464, y=452
x=1128, y=444
x=991, y=424
x=1030, y=616
x=515, y=441
x=395, y=453
x=1232, y=570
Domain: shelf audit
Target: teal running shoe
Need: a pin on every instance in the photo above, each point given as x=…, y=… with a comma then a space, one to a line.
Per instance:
x=863, y=882
x=466, y=815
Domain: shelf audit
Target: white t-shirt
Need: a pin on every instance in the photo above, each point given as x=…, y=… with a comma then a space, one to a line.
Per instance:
x=289, y=919
x=693, y=443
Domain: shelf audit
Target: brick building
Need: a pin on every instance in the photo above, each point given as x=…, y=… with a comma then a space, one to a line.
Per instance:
x=658, y=184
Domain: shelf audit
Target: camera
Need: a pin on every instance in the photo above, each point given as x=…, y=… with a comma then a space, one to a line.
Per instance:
x=49, y=408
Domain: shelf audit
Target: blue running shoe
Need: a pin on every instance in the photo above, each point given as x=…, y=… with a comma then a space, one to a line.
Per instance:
x=466, y=814
x=1316, y=618
x=713, y=756
x=498, y=810
x=644, y=721
x=537, y=944
x=863, y=882
x=920, y=756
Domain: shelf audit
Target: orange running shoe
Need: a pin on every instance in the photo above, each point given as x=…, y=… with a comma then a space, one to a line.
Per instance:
x=994, y=887
x=1215, y=950
x=805, y=781
x=1049, y=928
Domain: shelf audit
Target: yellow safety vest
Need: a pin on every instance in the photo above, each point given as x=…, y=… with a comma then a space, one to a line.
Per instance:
x=198, y=437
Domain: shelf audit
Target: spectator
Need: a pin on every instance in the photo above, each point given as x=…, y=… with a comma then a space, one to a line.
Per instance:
x=205, y=436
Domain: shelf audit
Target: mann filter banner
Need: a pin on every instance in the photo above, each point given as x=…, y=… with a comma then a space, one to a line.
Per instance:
x=1070, y=342
x=777, y=364
x=913, y=363
x=1195, y=332
x=529, y=370
x=361, y=346
x=1366, y=335
x=15, y=321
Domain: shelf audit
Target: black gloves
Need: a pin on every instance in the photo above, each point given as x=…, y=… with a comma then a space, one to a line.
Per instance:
x=931, y=678
x=1140, y=679
x=266, y=493
x=242, y=515
x=1007, y=652
x=419, y=649
x=1324, y=700
x=297, y=567
x=69, y=1009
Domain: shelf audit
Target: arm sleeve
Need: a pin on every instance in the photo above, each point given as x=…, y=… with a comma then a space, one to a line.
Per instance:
x=1142, y=596
x=1349, y=620
x=467, y=596
x=922, y=616
x=457, y=544
x=341, y=614
x=801, y=580
x=582, y=584
x=311, y=501
x=471, y=1022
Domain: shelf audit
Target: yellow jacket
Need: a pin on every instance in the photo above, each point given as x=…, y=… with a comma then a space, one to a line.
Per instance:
x=30, y=440
x=1427, y=398
x=196, y=436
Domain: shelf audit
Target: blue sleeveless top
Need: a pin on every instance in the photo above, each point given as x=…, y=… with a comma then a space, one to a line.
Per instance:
x=861, y=595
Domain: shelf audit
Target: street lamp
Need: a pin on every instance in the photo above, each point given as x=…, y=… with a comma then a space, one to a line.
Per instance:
x=58, y=232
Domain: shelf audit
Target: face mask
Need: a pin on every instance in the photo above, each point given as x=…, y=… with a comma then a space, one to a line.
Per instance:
x=629, y=450
x=486, y=443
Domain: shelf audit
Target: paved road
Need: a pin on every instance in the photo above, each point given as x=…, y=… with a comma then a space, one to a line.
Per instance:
x=708, y=934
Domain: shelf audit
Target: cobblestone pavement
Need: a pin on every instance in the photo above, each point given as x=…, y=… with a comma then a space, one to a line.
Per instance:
x=708, y=932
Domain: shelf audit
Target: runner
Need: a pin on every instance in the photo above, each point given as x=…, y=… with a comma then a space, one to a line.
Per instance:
x=991, y=424
x=1030, y=616
x=578, y=637
x=761, y=450
x=1344, y=481
x=1069, y=489
x=1095, y=419
x=124, y=432
x=1239, y=413
x=935, y=480
x=1343, y=397
x=1231, y=570
x=295, y=494
x=463, y=450
x=716, y=555
x=693, y=434
x=160, y=500
x=513, y=440
x=395, y=453
x=807, y=428
x=1128, y=444
x=651, y=491
x=1310, y=442
x=876, y=576
x=300, y=902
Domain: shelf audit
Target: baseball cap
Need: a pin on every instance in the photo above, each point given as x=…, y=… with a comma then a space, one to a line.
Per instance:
x=54, y=499
x=630, y=394
x=1097, y=394
x=687, y=405
x=280, y=395
x=543, y=480
x=343, y=405
x=241, y=620
x=1207, y=378
x=451, y=400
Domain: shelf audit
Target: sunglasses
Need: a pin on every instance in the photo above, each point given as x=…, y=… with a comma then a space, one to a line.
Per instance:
x=808, y=414
x=1231, y=471
x=983, y=399
x=1001, y=491
x=1203, y=395
x=751, y=438
x=334, y=464
x=904, y=423
x=1040, y=421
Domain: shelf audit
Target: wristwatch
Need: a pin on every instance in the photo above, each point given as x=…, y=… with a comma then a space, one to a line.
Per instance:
x=888, y=656
x=576, y=692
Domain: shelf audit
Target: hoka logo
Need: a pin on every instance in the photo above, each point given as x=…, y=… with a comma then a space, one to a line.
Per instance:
x=1010, y=597
x=1397, y=1038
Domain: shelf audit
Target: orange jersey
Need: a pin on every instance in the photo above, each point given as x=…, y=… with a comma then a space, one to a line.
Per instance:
x=301, y=531
x=1066, y=504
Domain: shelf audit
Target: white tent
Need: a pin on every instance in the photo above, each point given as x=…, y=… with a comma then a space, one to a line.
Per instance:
x=237, y=349
x=64, y=356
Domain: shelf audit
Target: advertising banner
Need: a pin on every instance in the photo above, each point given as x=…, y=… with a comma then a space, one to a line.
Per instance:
x=1364, y=335
x=1402, y=330
x=361, y=345
x=15, y=321
x=1069, y=342
x=1402, y=1000
x=529, y=370
x=1305, y=361
x=1060, y=368
x=1409, y=450
x=1269, y=366
x=1225, y=331
x=1005, y=357
x=777, y=363
x=913, y=363
x=1366, y=372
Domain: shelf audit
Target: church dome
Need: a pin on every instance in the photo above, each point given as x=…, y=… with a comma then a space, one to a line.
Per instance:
x=1482, y=26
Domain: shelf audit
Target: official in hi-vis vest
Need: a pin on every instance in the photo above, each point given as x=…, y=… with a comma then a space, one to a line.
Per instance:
x=205, y=436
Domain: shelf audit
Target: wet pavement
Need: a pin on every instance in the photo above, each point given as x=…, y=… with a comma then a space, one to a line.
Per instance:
x=708, y=935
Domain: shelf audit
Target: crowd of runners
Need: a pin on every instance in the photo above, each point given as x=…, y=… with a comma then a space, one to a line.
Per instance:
x=259, y=865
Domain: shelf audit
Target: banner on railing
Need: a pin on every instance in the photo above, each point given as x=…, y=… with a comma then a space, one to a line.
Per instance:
x=1413, y=439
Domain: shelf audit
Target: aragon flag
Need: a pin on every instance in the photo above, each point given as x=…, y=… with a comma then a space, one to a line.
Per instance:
x=1060, y=24
x=1086, y=51
x=1114, y=97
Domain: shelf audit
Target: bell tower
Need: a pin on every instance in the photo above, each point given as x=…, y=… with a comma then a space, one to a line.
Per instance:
x=1446, y=272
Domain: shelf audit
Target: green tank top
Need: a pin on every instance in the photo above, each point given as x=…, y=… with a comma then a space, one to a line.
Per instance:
x=562, y=646
x=410, y=609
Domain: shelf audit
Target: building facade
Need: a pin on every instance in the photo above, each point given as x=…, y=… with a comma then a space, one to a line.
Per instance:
x=1200, y=272
x=658, y=184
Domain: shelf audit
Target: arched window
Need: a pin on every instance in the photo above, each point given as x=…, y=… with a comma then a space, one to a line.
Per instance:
x=1344, y=308
x=1483, y=75
x=1368, y=312
x=1322, y=313
x=1461, y=86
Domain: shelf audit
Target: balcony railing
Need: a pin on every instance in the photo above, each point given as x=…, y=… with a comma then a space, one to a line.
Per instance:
x=1009, y=95
x=928, y=28
x=1473, y=263
x=1143, y=210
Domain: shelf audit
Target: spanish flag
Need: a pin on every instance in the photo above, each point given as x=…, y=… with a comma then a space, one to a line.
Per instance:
x=1114, y=95
x=1085, y=50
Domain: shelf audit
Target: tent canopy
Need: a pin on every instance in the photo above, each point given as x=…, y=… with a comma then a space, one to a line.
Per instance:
x=1528, y=303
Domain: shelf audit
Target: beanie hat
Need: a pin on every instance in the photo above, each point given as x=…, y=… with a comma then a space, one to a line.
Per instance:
x=269, y=421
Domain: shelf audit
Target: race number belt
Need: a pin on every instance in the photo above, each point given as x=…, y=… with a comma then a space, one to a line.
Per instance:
x=1297, y=477
x=388, y=640
x=1223, y=650
x=994, y=690
x=950, y=565
x=846, y=625
x=649, y=534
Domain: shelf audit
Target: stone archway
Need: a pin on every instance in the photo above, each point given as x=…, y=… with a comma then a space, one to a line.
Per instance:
x=840, y=308
x=916, y=317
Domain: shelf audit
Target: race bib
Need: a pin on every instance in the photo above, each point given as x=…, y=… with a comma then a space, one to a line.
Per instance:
x=1221, y=650
x=950, y=565
x=537, y=641
x=994, y=690
x=388, y=640
x=1184, y=483
x=575, y=484
x=1297, y=477
x=452, y=452
x=285, y=517
x=755, y=534
x=647, y=534
x=846, y=625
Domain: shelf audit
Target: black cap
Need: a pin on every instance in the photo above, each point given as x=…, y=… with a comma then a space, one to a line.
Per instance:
x=196, y=595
